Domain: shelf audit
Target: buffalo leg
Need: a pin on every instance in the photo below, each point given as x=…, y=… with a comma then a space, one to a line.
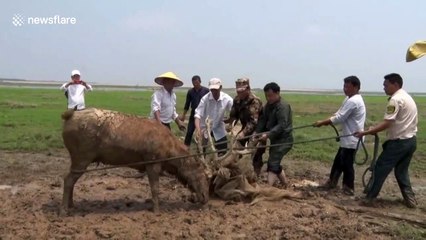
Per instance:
x=69, y=182
x=67, y=199
x=153, y=177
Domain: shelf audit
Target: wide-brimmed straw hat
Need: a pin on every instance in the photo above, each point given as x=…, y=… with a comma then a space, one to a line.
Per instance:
x=159, y=80
x=415, y=51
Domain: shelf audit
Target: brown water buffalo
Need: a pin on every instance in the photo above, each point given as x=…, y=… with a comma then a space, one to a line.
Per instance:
x=95, y=135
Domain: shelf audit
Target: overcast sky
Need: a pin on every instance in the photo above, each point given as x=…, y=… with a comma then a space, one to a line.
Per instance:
x=298, y=44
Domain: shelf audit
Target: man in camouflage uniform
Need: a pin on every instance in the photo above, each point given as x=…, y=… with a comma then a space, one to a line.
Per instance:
x=246, y=109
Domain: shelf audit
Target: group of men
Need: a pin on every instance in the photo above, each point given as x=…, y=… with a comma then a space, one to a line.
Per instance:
x=400, y=121
x=273, y=122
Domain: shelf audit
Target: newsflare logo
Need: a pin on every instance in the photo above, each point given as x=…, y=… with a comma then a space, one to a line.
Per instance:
x=19, y=20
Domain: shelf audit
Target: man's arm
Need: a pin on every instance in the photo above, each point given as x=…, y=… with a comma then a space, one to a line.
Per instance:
x=284, y=122
x=65, y=86
x=321, y=123
x=175, y=116
x=339, y=117
x=156, y=105
x=87, y=86
x=199, y=113
x=385, y=124
x=157, y=116
x=180, y=124
x=197, y=127
x=186, y=107
x=392, y=110
x=183, y=116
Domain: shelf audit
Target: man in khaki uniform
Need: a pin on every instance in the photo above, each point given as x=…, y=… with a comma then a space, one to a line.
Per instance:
x=400, y=120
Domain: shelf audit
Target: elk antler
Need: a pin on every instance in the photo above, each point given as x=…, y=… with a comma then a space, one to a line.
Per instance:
x=213, y=163
x=243, y=151
x=199, y=149
x=209, y=136
x=208, y=171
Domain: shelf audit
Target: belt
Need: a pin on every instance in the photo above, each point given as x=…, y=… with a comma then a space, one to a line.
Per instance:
x=402, y=139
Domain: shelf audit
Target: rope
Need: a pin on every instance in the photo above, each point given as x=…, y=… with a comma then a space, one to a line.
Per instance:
x=368, y=184
x=362, y=144
x=298, y=142
x=259, y=134
x=337, y=132
x=141, y=163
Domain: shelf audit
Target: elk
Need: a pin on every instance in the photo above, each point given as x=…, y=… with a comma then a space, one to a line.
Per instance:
x=102, y=136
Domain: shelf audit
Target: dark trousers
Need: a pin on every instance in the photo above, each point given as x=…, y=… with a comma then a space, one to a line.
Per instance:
x=220, y=144
x=190, y=131
x=167, y=125
x=396, y=154
x=343, y=163
x=276, y=154
x=257, y=158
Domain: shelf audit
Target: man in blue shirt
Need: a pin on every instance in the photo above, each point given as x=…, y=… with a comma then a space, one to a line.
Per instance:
x=193, y=98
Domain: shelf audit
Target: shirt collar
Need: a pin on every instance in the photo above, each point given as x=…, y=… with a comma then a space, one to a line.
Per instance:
x=352, y=95
x=198, y=90
x=220, y=96
x=164, y=90
x=397, y=92
x=275, y=103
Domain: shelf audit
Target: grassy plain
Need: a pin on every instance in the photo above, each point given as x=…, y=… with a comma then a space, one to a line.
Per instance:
x=30, y=118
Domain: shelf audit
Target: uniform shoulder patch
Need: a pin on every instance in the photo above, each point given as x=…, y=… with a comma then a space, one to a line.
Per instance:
x=390, y=109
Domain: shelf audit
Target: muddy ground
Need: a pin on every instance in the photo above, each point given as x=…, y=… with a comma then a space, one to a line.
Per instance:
x=110, y=206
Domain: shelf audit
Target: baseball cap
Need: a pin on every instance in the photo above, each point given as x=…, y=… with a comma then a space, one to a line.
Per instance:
x=75, y=72
x=215, y=83
x=242, y=84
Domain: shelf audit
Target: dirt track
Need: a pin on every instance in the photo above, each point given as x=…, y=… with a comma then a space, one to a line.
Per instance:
x=108, y=205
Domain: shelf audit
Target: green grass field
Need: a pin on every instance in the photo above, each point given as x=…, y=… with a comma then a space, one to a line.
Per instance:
x=30, y=119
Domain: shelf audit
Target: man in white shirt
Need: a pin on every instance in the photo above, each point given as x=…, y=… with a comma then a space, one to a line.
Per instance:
x=163, y=101
x=74, y=91
x=351, y=115
x=400, y=120
x=213, y=105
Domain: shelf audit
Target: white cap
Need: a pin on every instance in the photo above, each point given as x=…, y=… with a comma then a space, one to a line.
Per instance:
x=215, y=83
x=75, y=72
